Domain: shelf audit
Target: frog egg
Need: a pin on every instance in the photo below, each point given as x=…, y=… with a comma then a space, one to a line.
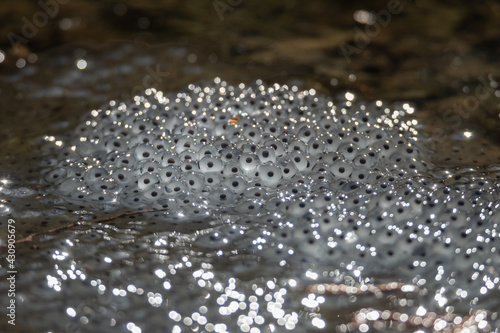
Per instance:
x=125, y=161
x=128, y=119
x=324, y=199
x=101, y=199
x=144, y=137
x=212, y=178
x=270, y=129
x=236, y=184
x=212, y=240
x=320, y=167
x=364, y=160
x=185, y=142
x=170, y=160
x=344, y=120
x=397, y=159
x=247, y=147
x=232, y=168
x=296, y=145
x=220, y=238
x=221, y=144
x=460, y=203
x=84, y=148
x=348, y=150
x=103, y=184
x=168, y=174
x=288, y=169
x=221, y=196
x=248, y=162
x=408, y=150
x=83, y=130
x=124, y=176
x=196, y=212
x=169, y=204
x=147, y=180
x=143, y=152
x=270, y=175
x=220, y=129
x=315, y=147
x=331, y=143
x=299, y=160
x=56, y=175
x=387, y=199
x=79, y=195
x=175, y=187
x=285, y=138
x=306, y=133
x=248, y=207
x=266, y=155
x=376, y=135
x=327, y=123
x=140, y=125
x=233, y=134
x=194, y=180
x=188, y=155
x=298, y=208
x=360, y=174
x=73, y=169
x=207, y=150
x=181, y=129
x=158, y=143
x=70, y=185
x=189, y=166
x=229, y=154
x=277, y=146
x=116, y=144
x=110, y=160
x=340, y=169
x=210, y=163
x=321, y=179
x=274, y=204
x=356, y=138
x=94, y=174
x=152, y=193
x=417, y=165
x=255, y=193
x=206, y=122
x=329, y=158
x=148, y=166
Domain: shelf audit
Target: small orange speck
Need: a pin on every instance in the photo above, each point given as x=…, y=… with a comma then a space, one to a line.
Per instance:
x=234, y=120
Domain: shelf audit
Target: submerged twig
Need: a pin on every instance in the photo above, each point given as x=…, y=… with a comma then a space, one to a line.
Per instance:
x=343, y=289
x=31, y=236
x=380, y=320
x=448, y=323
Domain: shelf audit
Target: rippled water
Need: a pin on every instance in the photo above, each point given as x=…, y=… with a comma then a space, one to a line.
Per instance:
x=223, y=272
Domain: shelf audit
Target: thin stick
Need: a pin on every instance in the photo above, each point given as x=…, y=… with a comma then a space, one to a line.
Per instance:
x=30, y=237
x=377, y=290
x=450, y=323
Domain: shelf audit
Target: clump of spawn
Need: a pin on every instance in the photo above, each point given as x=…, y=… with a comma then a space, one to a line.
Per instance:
x=211, y=148
x=293, y=178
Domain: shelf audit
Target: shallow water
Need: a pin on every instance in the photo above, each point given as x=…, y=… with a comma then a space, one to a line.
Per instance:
x=135, y=273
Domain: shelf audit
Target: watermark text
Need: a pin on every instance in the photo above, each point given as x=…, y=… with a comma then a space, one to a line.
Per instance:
x=11, y=271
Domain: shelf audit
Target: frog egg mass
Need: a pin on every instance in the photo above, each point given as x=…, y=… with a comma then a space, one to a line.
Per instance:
x=299, y=182
x=207, y=149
